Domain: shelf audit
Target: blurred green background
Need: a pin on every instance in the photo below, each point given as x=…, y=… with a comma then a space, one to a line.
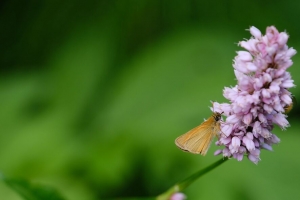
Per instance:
x=93, y=94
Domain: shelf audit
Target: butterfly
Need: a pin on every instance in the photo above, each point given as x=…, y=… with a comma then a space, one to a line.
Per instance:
x=198, y=139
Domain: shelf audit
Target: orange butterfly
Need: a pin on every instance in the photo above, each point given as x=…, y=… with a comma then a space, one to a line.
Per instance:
x=199, y=138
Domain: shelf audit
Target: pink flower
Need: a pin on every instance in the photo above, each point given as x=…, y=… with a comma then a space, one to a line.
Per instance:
x=178, y=196
x=258, y=100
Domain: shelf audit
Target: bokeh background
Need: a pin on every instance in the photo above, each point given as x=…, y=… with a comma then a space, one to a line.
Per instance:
x=93, y=94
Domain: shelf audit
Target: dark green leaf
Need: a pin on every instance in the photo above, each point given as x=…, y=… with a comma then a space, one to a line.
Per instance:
x=30, y=191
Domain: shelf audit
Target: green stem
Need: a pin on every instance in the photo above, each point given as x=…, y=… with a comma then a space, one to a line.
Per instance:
x=186, y=182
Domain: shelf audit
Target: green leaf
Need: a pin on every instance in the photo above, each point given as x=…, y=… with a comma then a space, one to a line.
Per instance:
x=31, y=191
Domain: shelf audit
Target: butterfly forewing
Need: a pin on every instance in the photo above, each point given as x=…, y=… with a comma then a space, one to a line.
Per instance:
x=199, y=138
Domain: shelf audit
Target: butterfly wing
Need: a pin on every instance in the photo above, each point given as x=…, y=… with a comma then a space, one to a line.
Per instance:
x=199, y=138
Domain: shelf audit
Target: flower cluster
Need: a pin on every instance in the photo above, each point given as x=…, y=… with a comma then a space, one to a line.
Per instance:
x=260, y=97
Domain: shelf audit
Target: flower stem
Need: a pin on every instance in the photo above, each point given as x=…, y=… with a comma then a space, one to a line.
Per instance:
x=186, y=182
